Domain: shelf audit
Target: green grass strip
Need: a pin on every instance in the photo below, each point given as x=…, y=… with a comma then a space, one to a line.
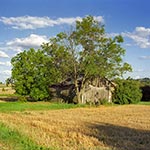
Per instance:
x=13, y=140
x=144, y=103
x=24, y=106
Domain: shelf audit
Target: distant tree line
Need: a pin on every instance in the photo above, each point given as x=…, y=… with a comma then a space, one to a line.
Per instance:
x=145, y=88
x=85, y=50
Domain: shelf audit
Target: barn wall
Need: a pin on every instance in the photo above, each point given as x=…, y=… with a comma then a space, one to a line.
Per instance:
x=95, y=91
x=96, y=94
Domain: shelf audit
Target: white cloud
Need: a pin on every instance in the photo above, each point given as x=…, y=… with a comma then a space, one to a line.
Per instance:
x=7, y=63
x=10, y=48
x=128, y=44
x=30, y=22
x=32, y=41
x=145, y=57
x=137, y=77
x=141, y=36
x=15, y=46
x=3, y=54
x=142, y=31
x=139, y=70
x=27, y=22
x=112, y=35
x=67, y=20
x=99, y=19
x=6, y=72
x=18, y=45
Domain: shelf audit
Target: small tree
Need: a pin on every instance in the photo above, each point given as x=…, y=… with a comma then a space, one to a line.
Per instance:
x=127, y=92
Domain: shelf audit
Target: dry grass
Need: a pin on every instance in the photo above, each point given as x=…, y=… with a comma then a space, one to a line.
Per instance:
x=6, y=90
x=117, y=127
x=6, y=93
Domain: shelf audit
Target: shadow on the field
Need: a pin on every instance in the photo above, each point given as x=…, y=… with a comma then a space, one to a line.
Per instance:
x=121, y=138
x=8, y=99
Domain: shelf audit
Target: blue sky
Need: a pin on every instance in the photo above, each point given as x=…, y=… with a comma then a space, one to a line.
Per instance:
x=29, y=23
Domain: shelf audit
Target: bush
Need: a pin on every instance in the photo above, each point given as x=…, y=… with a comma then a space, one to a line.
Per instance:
x=3, y=89
x=127, y=92
x=22, y=99
x=39, y=94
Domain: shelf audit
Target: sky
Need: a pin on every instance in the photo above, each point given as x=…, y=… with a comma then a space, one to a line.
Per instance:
x=26, y=24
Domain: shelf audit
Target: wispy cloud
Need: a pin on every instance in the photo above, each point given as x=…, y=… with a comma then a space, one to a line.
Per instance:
x=141, y=36
x=5, y=72
x=30, y=22
x=3, y=55
x=138, y=70
x=144, y=57
x=112, y=35
x=7, y=63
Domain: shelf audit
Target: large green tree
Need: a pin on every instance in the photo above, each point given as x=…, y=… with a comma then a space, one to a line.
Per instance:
x=87, y=52
x=32, y=73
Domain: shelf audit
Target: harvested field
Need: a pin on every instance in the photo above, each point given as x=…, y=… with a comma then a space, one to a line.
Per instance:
x=6, y=90
x=102, y=128
x=7, y=93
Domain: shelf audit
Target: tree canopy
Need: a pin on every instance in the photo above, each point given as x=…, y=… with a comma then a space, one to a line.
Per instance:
x=84, y=52
x=32, y=74
x=88, y=52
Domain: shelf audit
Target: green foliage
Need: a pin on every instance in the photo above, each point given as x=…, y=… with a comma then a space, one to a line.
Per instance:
x=22, y=99
x=32, y=74
x=127, y=92
x=101, y=56
x=144, y=81
x=104, y=102
x=86, y=51
x=9, y=81
x=60, y=56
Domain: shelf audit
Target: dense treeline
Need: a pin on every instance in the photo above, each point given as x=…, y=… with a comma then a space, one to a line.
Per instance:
x=85, y=51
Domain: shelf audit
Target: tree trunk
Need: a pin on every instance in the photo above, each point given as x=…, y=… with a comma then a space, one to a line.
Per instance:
x=78, y=94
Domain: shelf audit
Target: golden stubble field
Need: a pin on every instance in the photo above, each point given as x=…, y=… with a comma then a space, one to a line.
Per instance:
x=102, y=128
x=6, y=89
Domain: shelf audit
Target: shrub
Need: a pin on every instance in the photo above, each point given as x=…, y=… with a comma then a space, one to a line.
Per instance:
x=127, y=92
x=3, y=89
x=22, y=99
x=39, y=94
